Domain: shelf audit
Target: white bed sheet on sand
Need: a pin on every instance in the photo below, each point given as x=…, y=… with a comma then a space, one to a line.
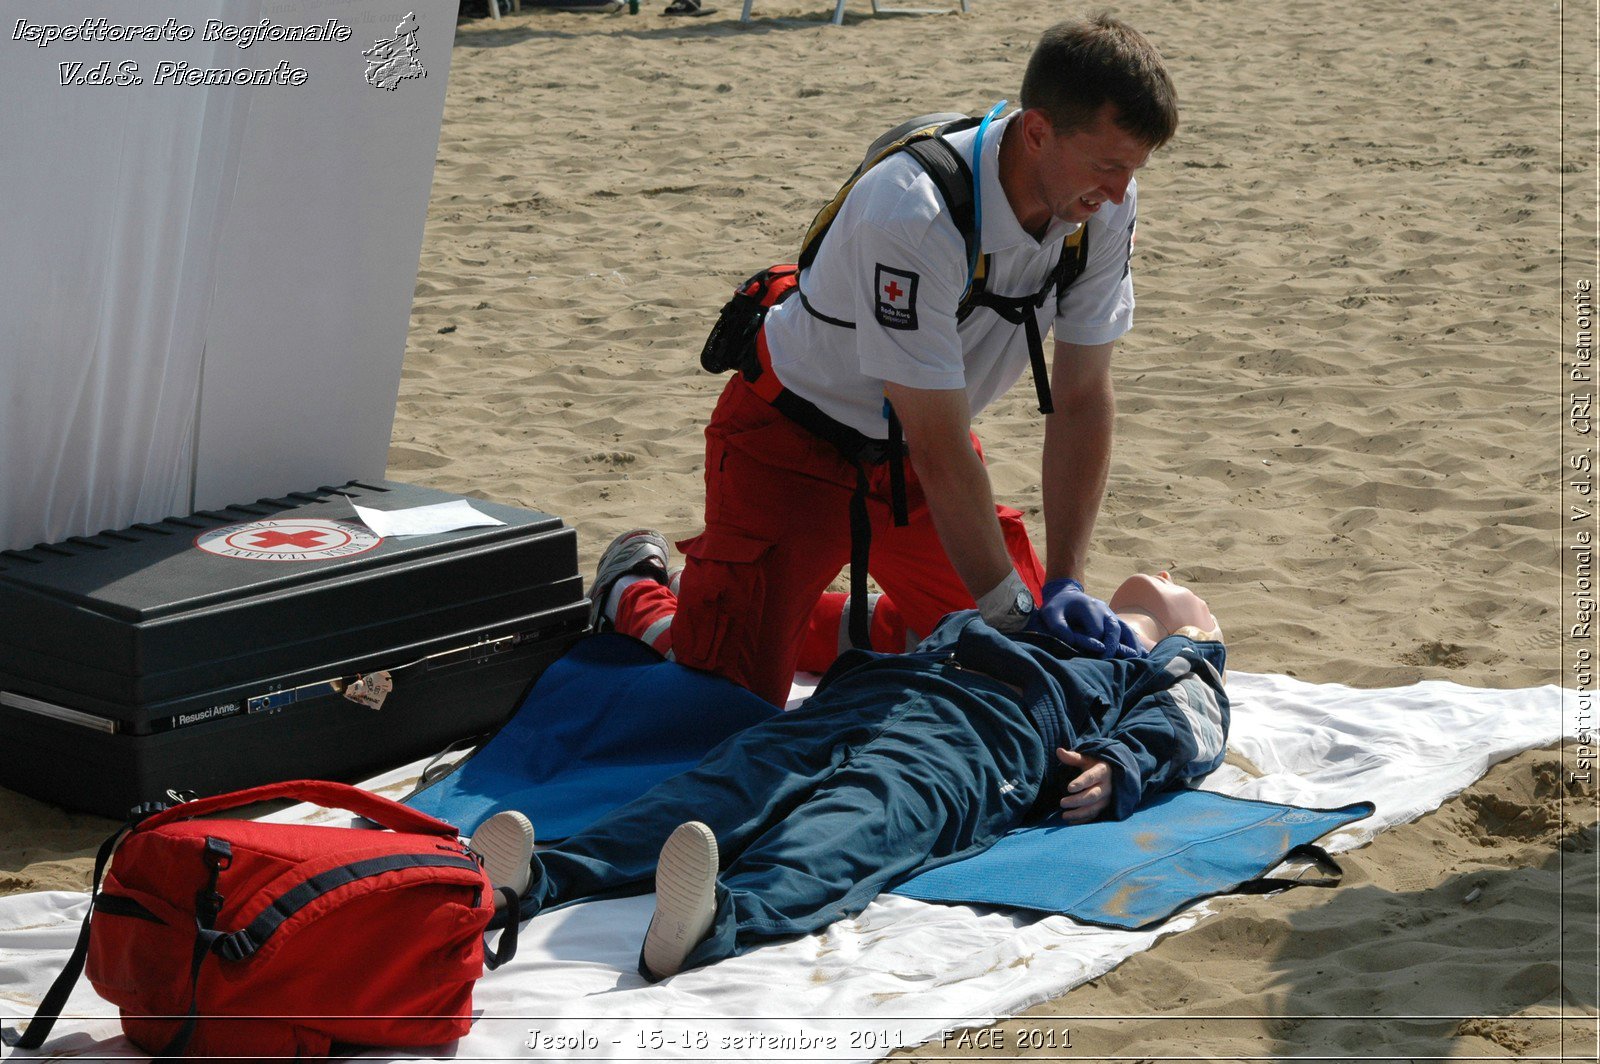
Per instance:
x=902, y=971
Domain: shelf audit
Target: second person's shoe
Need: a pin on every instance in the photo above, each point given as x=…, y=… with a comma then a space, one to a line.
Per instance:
x=641, y=552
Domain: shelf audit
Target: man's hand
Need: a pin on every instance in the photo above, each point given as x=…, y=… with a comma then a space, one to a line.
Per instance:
x=1089, y=793
x=1083, y=622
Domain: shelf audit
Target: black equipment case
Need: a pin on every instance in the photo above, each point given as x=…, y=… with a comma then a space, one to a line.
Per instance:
x=277, y=640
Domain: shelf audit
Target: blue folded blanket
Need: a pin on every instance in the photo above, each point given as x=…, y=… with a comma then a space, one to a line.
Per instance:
x=604, y=724
x=611, y=719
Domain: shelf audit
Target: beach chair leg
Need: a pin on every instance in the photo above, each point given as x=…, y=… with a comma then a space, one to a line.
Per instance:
x=494, y=10
x=838, y=13
x=745, y=15
x=878, y=8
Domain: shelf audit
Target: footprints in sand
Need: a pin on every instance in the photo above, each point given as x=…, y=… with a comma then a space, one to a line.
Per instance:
x=1435, y=652
x=1536, y=802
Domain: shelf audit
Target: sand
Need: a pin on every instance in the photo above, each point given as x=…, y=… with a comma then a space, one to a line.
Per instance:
x=1339, y=413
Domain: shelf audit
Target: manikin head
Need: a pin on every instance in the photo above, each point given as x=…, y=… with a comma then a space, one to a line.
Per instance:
x=1155, y=607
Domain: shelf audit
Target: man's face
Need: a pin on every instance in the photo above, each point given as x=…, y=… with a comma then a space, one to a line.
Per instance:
x=1080, y=170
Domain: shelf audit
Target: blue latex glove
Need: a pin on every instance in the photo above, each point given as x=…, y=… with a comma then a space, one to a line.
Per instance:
x=1083, y=622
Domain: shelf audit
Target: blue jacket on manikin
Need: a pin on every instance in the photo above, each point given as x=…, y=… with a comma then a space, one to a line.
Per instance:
x=1091, y=706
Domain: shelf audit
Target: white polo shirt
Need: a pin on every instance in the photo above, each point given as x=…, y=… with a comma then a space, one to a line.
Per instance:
x=895, y=265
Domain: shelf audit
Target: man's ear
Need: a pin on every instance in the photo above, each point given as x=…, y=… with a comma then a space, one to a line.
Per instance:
x=1036, y=129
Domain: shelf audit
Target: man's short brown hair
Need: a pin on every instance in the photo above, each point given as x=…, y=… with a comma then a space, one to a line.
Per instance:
x=1082, y=64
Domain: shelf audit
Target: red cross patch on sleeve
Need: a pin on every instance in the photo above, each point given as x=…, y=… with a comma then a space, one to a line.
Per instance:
x=895, y=298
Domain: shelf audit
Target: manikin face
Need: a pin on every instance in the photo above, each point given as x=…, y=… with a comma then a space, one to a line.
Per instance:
x=1079, y=171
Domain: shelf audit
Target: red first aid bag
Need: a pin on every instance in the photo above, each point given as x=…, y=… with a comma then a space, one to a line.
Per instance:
x=218, y=938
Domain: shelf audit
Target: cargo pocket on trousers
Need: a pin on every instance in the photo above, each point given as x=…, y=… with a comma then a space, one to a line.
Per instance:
x=720, y=607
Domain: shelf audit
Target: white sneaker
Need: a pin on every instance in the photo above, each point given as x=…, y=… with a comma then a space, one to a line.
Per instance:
x=686, y=899
x=504, y=843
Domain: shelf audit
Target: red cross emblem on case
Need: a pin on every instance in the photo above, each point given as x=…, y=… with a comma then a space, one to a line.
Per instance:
x=309, y=538
x=289, y=539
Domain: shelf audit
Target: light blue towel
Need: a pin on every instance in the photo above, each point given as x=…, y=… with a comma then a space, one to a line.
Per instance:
x=1174, y=850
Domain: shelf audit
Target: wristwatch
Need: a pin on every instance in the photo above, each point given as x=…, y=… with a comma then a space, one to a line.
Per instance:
x=1008, y=606
x=1021, y=611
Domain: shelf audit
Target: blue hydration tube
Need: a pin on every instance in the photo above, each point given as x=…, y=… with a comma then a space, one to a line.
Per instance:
x=977, y=191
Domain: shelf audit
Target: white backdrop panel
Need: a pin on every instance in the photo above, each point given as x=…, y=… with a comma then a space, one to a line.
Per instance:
x=319, y=263
x=205, y=288
x=109, y=227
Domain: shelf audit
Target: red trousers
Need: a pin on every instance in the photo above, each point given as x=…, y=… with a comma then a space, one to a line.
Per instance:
x=777, y=532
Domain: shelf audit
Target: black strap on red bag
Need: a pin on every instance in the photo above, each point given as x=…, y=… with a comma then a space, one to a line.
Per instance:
x=238, y=945
x=50, y=1008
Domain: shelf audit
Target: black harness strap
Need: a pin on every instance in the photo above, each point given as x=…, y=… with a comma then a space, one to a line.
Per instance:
x=950, y=175
x=860, y=451
x=860, y=553
x=1023, y=310
x=953, y=178
x=1041, y=374
x=857, y=448
x=815, y=313
x=897, y=467
x=907, y=136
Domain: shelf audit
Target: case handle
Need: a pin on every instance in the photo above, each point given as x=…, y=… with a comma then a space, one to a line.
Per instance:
x=382, y=811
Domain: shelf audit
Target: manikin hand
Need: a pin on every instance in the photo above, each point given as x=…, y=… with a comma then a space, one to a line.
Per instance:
x=1083, y=622
x=1089, y=793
